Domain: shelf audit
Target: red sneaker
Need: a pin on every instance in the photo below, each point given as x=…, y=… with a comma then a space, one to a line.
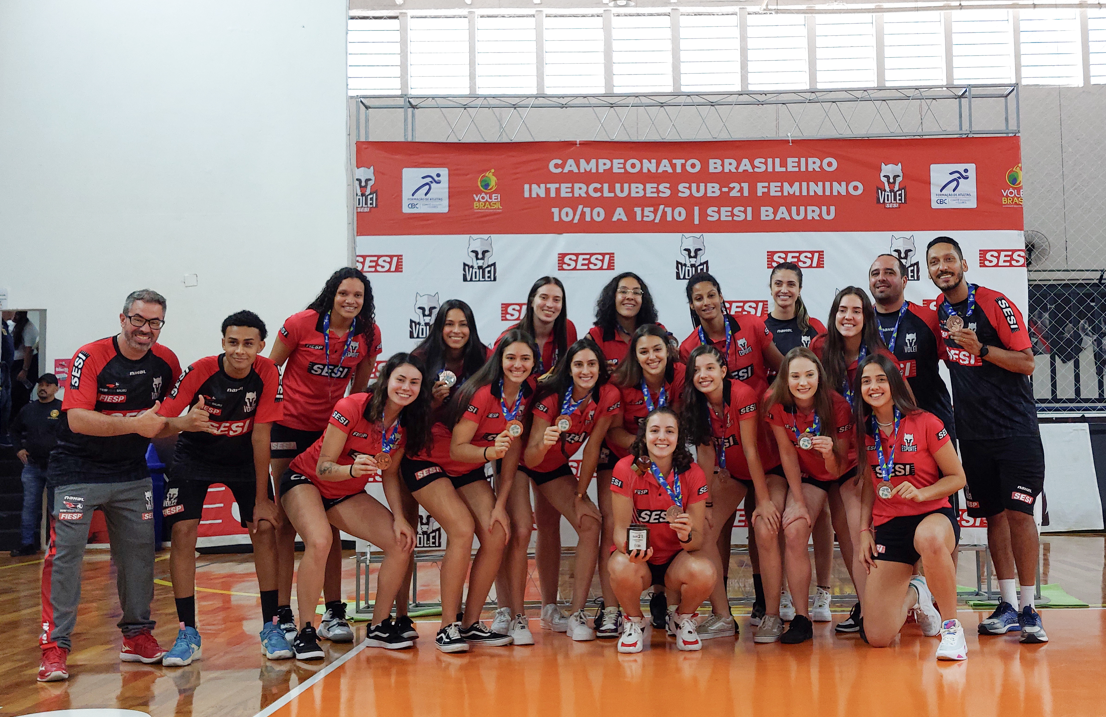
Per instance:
x=142, y=647
x=52, y=668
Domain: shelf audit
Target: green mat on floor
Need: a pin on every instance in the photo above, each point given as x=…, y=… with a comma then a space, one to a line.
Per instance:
x=1051, y=596
x=353, y=616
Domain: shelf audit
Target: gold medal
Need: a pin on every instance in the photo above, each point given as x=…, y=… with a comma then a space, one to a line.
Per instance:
x=954, y=323
x=514, y=429
x=383, y=460
x=563, y=423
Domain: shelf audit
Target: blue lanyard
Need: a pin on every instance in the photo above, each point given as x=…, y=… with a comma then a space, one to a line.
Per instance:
x=541, y=364
x=815, y=428
x=568, y=407
x=848, y=384
x=326, y=341
x=886, y=469
x=673, y=491
x=662, y=399
x=513, y=413
x=894, y=330
x=388, y=441
x=971, y=303
x=729, y=335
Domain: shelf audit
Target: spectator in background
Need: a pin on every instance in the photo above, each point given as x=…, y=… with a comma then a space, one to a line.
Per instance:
x=25, y=360
x=7, y=350
x=34, y=433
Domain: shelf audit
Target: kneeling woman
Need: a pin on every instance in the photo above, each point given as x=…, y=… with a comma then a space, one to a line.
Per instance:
x=325, y=486
x=572, y=405
x=914, y=470
x=660, y=490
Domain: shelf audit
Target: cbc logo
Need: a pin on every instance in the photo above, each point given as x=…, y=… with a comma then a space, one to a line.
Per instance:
x=802, y=259
x=996, y=258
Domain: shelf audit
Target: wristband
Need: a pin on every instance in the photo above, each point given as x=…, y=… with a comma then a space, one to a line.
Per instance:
x=983, y=350
x=709, y=505
x=485, y=454
x=866, y=530
x=689, y=534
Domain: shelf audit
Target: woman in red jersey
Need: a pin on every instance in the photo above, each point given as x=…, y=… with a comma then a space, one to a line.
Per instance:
x=325, y=487
x=623, y=305
x=812, y=425
x=321, y=349
x=722, y=421
x=572, y=405
x=853, y=334
x=546, y=321
x=906, y=512
x=658, y=490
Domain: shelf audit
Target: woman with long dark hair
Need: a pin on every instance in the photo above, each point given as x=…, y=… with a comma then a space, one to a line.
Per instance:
x=572, y=405
x=906, y=511
x=623, y=305
x=658, y=490
x=546, y=322
x=452, y=351
x=812, y=425
x=326, y=349
x=325, y=487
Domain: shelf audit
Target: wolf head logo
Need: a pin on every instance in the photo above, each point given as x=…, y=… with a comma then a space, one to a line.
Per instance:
x=250, y=401
x=426, y=306
x=891, y=174
x=156, y=392
x=908, y=439
x=692, y=249
x=365, y=178
x=480, y=250
x=903, y=248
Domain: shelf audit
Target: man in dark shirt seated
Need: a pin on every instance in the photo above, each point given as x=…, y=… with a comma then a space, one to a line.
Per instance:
x=34, y=433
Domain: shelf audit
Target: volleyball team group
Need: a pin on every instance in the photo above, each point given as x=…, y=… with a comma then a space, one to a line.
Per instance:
x=839, y=432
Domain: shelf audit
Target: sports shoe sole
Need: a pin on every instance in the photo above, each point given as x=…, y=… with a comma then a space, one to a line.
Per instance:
x=497, y=641
x=765, y=640
x=132, y=657
x=584, y=635
x=1031, y=638
x=278, y=655
x=177, y=662
x=952, y=658
x=818, y=616
x=311, y=655
x=452, y=649
x=340, y=637
x=522, y=640
x=54, y=677
x=546, y=625
x=989, y=631
x=846, y=630
x=370, y=642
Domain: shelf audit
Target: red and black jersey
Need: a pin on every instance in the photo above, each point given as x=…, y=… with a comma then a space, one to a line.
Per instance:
x=745, y=360
x=818, y=346
x=786, y=334
x=921, y=434
x=918, y=352
x=458, y=369
x=651, y=502
x=635, y=408
x=234, y=404
x=363, y=437
x=102, y=379
x=549, y=355
x=811, y=461
x=485, y=411
x=740, y=405
x=615, y=346
x=989, y=401
x=583, y=421
x=314, y=381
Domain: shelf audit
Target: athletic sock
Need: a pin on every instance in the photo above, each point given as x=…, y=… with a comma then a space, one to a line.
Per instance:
x=1008, y=590
x=333, y=604
x=1027, y=596
x=269, y=607
x=758, y=589
x=186, y=610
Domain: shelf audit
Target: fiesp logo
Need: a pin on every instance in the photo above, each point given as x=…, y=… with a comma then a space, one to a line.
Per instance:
x=990, y=258
x=752, y=307
x=511, y=312
x=585, y=261
x=803, y=259
x=380, y=263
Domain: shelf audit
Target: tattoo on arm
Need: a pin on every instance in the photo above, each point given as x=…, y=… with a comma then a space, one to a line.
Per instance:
x=329, y=468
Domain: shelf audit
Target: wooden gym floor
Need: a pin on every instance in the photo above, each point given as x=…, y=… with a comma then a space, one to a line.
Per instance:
x=831, y=676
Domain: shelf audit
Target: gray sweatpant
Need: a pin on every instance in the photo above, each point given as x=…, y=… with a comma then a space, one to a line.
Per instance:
x=128, y=510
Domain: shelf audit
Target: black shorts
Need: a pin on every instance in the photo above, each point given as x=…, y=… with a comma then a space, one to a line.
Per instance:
x=1003, y=474
x=748, y=482
x=607, y=459
x=543, y=477
x=291, y=479
x=474, y=476
x=188, y=484
x=825, y=484
x=659, y=570
x=419, y=474
x=895, y=538
x=285, y=442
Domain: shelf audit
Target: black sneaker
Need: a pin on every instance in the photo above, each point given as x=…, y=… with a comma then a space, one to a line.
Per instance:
x=387, y=636
x=658, y=610
x=406, y=627
x=306, y=645
x=23, y=551
x=800, y=630
x=287, y=623
x=851, y=623
x=757, y=614
x=449, y=639
x=477, y=634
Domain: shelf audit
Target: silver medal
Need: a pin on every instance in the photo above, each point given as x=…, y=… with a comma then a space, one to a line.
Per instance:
x=563, y=424
x=448, y=378
x=806, y=442
x=885, y=490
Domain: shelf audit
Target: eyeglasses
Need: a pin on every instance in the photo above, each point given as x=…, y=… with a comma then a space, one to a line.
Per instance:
x=630, y=292
x=140, y=321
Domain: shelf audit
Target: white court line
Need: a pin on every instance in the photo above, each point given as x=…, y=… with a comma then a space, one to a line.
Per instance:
x=301, y=688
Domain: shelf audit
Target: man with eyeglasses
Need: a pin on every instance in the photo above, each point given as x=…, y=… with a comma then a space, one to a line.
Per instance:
x=109, y=415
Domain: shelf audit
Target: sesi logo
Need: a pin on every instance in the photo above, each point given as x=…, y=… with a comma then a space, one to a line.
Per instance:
x=581, y=261
x=931, y=304
x=376, y=369
x=1001, y=257
x=511, y=312
x=380, y=263
x=803, y=259
x=233, y=428
x=753, y=307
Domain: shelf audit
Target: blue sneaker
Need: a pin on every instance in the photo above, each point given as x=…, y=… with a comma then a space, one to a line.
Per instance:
x=1004, y=619
x=185, y=649
x=1033, y=630
x=275, y=643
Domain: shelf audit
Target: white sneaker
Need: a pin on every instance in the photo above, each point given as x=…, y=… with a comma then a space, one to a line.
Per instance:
x=671, y=625
x=553, y=618
x=334, y=627
x=633, y=639
x=501, y=621
x=578, y=628
x=821, y=610
x=787, y=609
x=519, y=630
x=925, y=614
x=953, y=645
x=716, y=626
x=687, y=638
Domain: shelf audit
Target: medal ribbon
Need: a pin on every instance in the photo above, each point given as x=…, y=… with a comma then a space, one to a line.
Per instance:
x=513, y=413
x=886, y=469
x=674, y=491
x=719, y=443
x=849, y=396
x=568, y=407
x=326, y=341
x=815, y=428
x=729, y=335
x=662, y=398
x=894, y=330
x=971, y=304
x=388, y=441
